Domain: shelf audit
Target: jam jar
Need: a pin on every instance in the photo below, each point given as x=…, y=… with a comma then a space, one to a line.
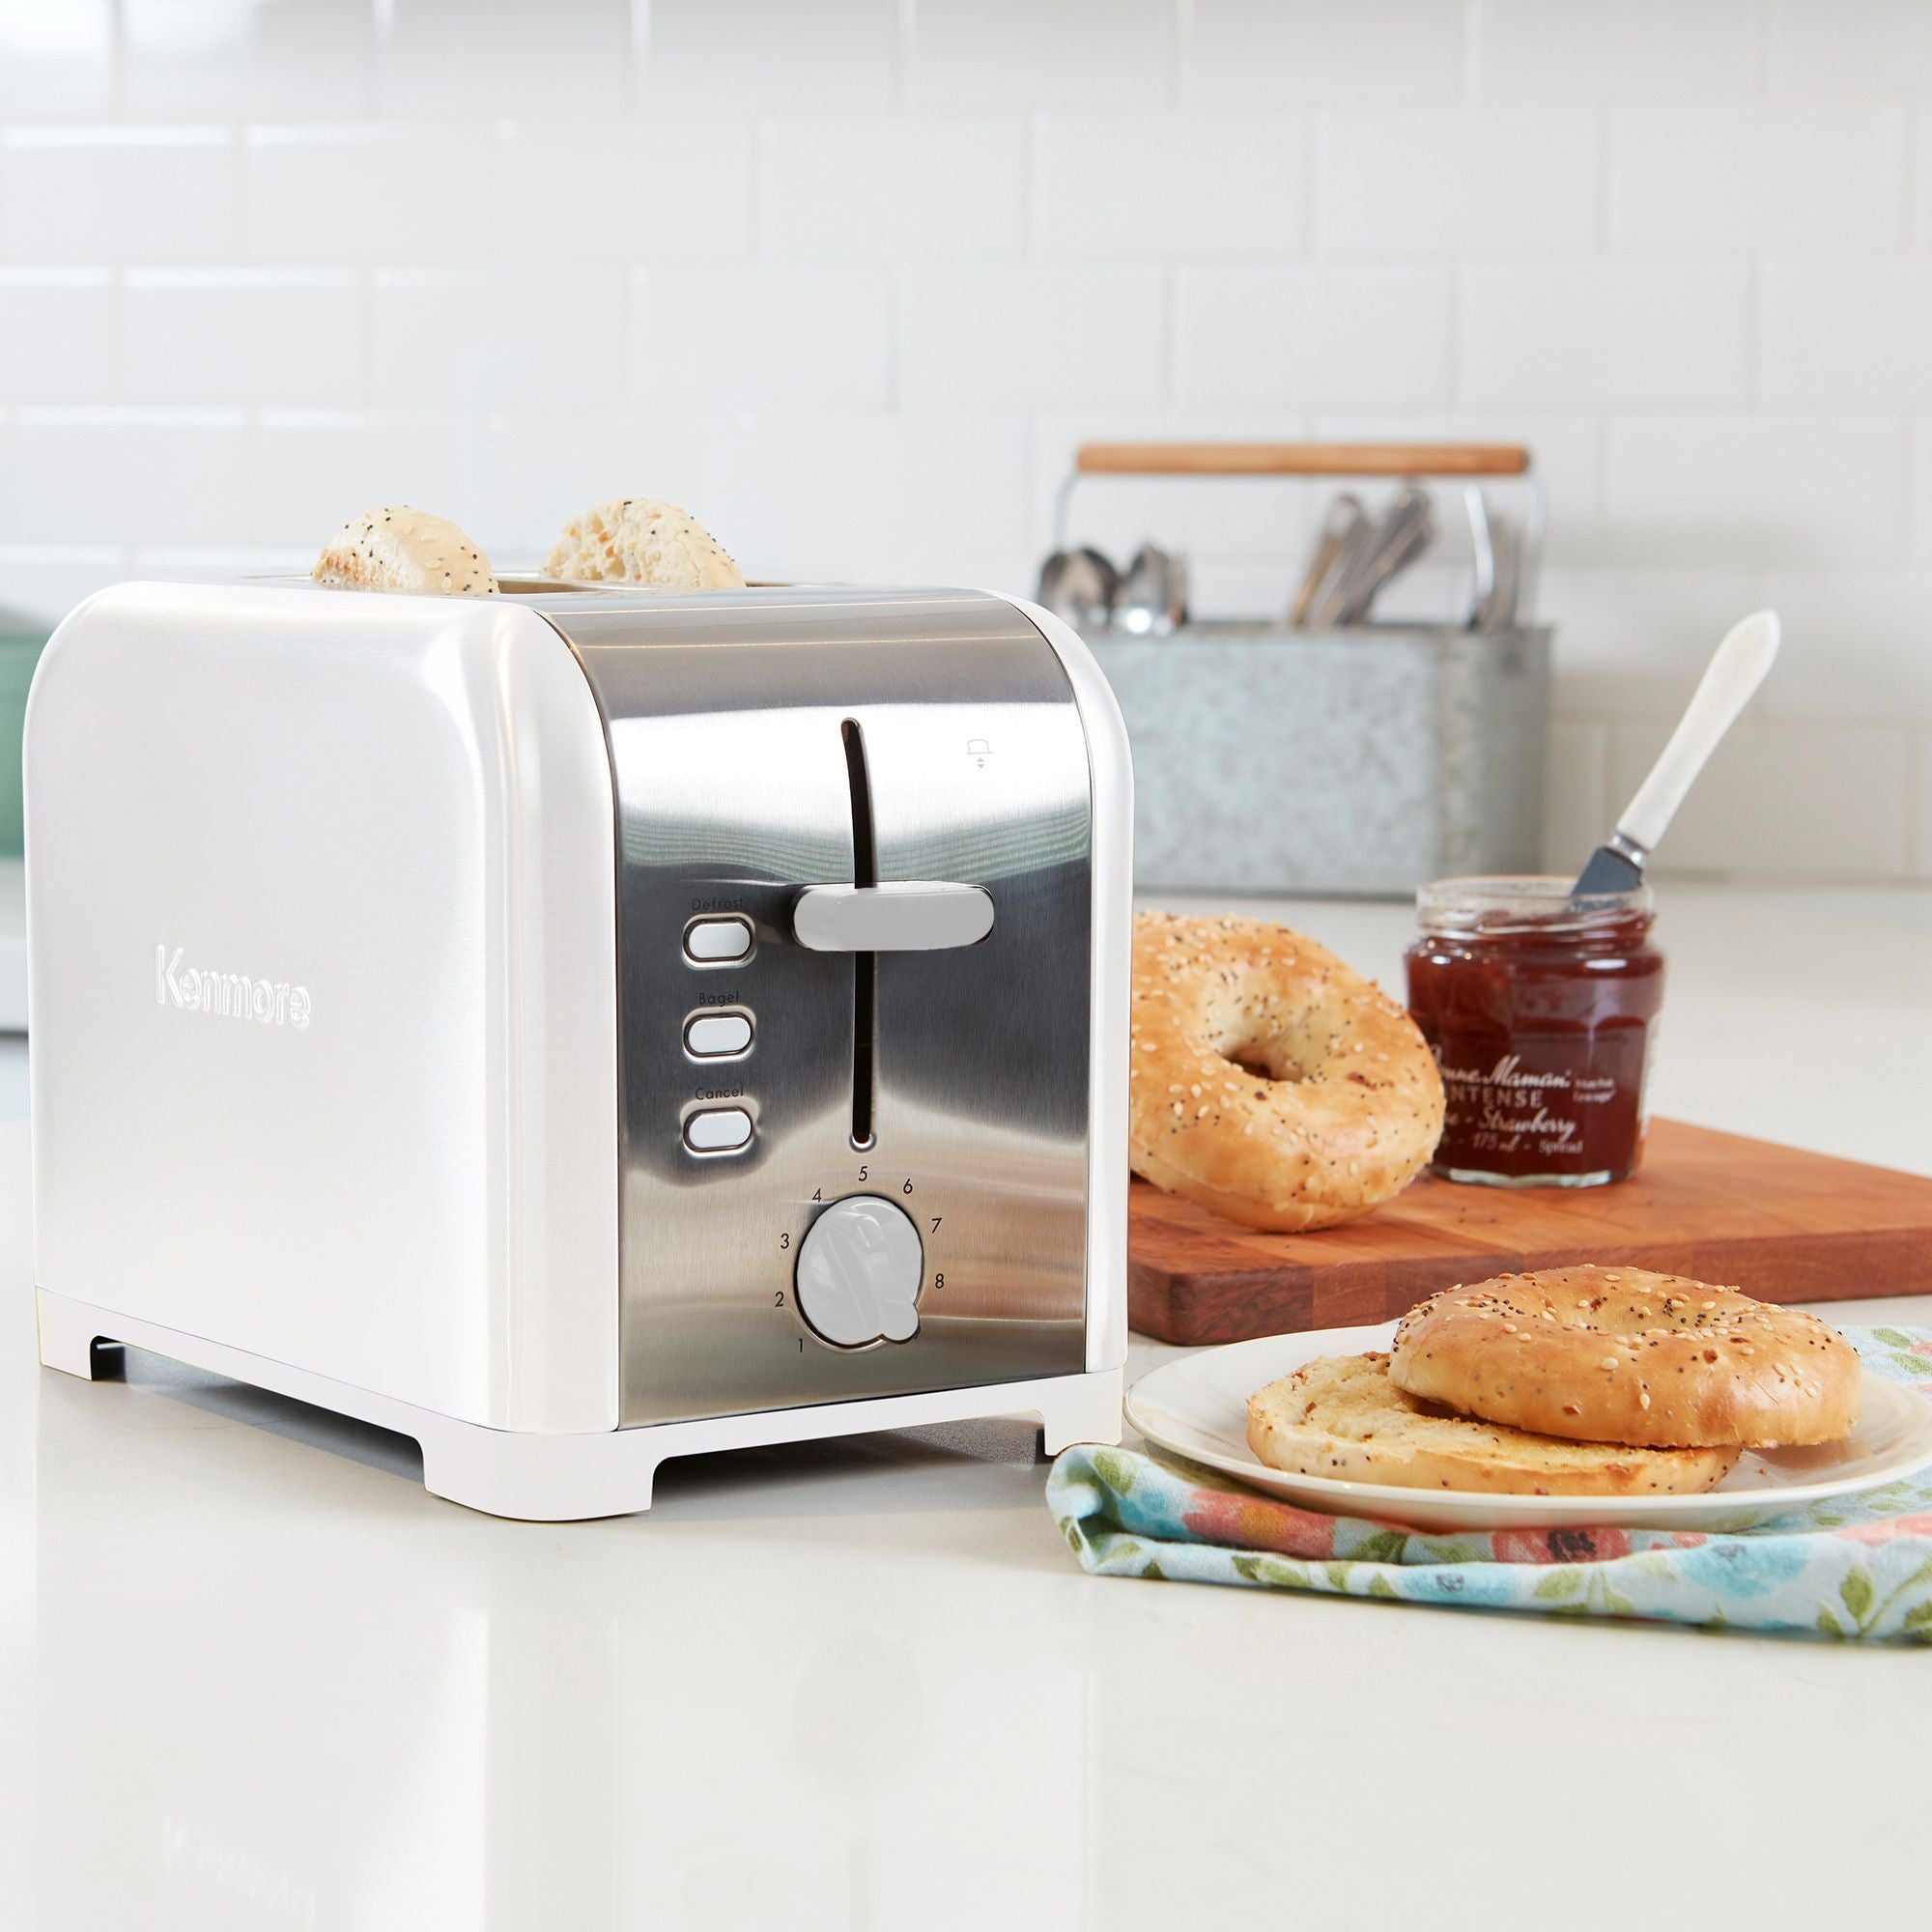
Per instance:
x=1541, y=1010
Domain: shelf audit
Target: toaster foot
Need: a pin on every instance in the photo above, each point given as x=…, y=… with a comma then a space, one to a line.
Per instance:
x=71, y=1342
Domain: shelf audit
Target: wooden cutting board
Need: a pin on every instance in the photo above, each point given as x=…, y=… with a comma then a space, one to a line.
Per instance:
x=1781, y=1224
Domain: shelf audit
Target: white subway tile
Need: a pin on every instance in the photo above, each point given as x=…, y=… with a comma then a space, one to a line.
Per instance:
x=670, y=191
x=541, y=467
x=930, y=499
x=1315, y=336
x=500, y=338
x=347, y=195
x=118, y=194
x=761, y=338
x=1621, y=50
x=1313, y=51
x=245, y=335
x=469, y=59
x=892, y=190
x=1827, y=176
x=1566, y=457
x=315, y=469
x=1019, y=54
x=1518, y=181
x=1607, y=335
x=1634, y=641
x=56, y=59
x=1772, y=491
x=1044, y=337
x=1577, y=805
x=1158, y=185
x=1214, y=521
x=1787, y=803
x=769, y=56
x=1855, y=46
x=126, y=476
x=41, y=582
x=58, y=330
x=1848, y=334
x=1858, y=645
x=247, y=60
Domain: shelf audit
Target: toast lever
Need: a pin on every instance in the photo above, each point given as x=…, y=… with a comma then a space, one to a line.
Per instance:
x=909, y=916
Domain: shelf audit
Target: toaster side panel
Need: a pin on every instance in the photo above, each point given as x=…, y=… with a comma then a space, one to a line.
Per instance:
x=323, y=1007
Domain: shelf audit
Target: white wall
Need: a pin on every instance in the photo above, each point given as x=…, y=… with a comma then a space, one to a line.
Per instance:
x=852, y=276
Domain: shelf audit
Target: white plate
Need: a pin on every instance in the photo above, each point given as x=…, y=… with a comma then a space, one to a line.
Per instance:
x=1198, y=1408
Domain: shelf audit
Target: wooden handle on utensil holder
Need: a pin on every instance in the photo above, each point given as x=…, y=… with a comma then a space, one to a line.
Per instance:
x=1302, y=459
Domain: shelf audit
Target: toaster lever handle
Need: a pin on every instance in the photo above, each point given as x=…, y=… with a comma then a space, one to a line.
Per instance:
x=909, y=916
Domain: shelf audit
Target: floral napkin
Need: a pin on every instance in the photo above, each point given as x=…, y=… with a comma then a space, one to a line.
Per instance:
x=1847, y=1567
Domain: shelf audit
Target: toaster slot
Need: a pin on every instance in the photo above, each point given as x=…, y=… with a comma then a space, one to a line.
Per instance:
x=865, y=965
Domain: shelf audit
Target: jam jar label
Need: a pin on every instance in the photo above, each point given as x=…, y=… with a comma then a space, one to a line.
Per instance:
x=1542, y=1105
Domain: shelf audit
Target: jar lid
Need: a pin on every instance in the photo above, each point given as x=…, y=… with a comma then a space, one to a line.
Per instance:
x=1524, y=903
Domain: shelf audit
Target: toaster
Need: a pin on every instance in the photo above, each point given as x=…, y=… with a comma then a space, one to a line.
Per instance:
x=584, y=1026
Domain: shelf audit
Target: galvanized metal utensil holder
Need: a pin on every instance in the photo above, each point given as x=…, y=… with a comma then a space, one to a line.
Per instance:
x=1355, y=762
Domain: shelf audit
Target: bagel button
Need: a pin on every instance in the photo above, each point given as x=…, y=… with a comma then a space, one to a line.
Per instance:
x=716, y=1036
x=712, y=942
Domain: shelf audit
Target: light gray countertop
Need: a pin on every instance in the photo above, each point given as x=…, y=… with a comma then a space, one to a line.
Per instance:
x=254, y=1675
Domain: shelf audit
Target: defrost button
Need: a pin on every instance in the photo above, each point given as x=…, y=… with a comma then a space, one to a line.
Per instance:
x=713, y=942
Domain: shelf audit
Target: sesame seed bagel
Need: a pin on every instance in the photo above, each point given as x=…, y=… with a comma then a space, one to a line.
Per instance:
x=1342, y=1416
x=396, y=548
x=1610, y=1354
x=1270, y=1083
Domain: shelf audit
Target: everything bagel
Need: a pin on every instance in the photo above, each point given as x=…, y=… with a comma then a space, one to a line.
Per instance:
x=1616, y=1354
x=1270, y=1083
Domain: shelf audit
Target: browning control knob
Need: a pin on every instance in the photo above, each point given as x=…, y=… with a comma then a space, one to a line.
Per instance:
x=860, y=1268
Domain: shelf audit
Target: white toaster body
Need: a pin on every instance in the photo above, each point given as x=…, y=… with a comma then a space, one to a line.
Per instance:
x=584, y=1027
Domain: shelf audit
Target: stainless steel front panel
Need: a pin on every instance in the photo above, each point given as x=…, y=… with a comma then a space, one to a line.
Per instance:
x=725, y=717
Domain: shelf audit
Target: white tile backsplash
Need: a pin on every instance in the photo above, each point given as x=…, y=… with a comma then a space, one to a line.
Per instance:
x=498, y=339
x=247, y=60
x=1851, y=335
x=56, y=59
x=212, y=336
x=1307, y=336
x=667, y=190
x=768, y=56
x=58, y=336
x=1044, y=53
x=1828, y=177
x=1038, y=336
x=888, y=188
x=375, y=194
x=1267, y=52
x=108, y=195
x=1156, y=187
x=1620, y=335
x=1758, y=490
x=854, y=277
x=128, y=477
x=1619, y=49
x=1466, y=181
x=772, y=337
x=1781, y=802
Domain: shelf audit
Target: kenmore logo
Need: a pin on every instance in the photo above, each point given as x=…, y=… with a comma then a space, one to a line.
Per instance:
x=229, y=995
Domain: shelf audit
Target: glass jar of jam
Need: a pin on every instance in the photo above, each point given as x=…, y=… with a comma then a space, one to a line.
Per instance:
x=1541, y=1010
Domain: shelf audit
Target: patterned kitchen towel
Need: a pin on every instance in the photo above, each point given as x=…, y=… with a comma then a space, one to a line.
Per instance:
x=1848, y=1567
